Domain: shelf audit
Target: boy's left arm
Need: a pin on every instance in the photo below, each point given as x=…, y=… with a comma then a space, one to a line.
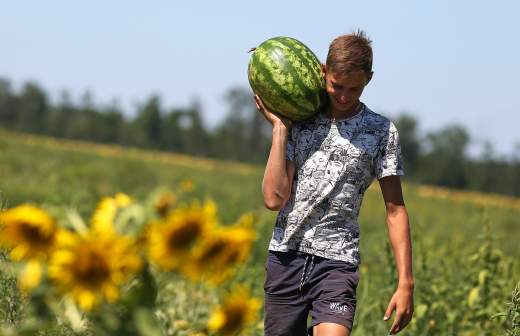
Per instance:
x=399, y=234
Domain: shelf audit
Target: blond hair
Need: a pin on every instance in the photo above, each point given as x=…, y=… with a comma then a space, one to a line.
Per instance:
x=349, y=53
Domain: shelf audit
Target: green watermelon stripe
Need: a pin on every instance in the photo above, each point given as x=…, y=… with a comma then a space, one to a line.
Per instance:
x=287, y=75
x=251, y=75
x=290, y=84
x=285, y=89
x=274, y=93
x=297, y=65
x=306, y=54
x=307, y=90
x=279, y=73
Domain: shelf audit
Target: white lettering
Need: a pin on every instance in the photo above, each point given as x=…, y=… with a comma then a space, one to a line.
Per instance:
x=338, y=307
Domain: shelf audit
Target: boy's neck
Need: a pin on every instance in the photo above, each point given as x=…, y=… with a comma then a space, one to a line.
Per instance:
x=334, y=114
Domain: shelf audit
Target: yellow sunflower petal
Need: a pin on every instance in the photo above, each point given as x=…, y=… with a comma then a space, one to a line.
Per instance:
x=29, y=231
x=122, y=200
x=237, y=311
x=31, y=275
x=20, y=252
x=93, y=266
x=217, y=320
x=111, y=293
x=173, y=240
x=86, y=299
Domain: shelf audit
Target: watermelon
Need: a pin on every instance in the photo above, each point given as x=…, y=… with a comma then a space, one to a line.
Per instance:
x=286, y=74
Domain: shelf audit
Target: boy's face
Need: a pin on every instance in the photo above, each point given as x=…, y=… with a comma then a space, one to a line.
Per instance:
x=344, y=90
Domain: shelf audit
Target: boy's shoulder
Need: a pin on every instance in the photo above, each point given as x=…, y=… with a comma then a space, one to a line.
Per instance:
x=376, y=121
x=375, y=118
x=369, y=119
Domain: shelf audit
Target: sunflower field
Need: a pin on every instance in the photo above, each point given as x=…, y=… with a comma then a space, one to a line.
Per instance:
x=102, y=240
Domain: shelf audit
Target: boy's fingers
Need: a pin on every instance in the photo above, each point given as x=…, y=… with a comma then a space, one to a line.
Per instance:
x=396, y=326
x=261, y=103
x=258, y=103
x=389, y=310
x=405, y=320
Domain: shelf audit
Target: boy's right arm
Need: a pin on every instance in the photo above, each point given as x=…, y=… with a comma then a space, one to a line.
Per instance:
x=279, y=172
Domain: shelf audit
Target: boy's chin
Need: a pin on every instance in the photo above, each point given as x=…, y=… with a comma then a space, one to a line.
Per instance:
x=342, y=107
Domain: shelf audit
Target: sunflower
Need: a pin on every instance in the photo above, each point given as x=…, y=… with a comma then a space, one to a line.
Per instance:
x=163, y=203
x=216, y=258
x=187, y=185
x=92, y=266
x=31, y=275
x=29, y=231
x=106, y=211
x=172, y=240
x=236, y=312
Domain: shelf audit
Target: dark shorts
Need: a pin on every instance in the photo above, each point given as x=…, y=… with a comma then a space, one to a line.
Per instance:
x=298, y=283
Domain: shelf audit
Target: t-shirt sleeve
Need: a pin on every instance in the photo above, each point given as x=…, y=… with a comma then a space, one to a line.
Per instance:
x=388, y=160
x=291, y=144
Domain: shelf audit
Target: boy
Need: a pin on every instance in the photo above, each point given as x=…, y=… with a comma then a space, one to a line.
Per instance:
x=316, y=175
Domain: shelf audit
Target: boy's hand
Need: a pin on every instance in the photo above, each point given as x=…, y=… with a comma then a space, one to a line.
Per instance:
x=402, y=303
x=273, y=118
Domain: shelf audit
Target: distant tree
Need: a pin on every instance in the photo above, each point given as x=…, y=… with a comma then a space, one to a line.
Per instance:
x=148, y=123
x=230, y=136
x=195, y=136
x=410, y=145
x=444, y=162
x=439, y=158
x=515, y=159
x=93, y=127
x=172, y=131
x=492, y=173
x=7, y=104
x=242, y=135
x=31, y=109
x=114, y=123
x=259, y=136
x=61, y=117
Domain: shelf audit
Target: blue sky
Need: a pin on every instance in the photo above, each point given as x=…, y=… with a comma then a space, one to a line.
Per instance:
x=442, y=61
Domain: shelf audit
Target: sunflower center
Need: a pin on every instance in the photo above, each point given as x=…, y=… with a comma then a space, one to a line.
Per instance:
x=35, y=235
x=233, y=256
x=92, y=268
x=235, y=318
x=184, y=236
x=214, y=250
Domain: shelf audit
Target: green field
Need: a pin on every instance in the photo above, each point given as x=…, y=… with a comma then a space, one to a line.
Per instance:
x=462, y=241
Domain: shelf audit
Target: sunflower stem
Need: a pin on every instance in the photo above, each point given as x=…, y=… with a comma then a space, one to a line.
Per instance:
x=77, y=222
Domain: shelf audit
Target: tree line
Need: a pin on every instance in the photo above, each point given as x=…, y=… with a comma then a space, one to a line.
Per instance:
x=438, y=157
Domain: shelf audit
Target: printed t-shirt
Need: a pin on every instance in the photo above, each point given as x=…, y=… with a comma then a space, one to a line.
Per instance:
x=336, y=161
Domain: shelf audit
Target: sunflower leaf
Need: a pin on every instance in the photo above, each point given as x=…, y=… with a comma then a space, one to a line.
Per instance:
x=143, y=292
x=76, y=221
x=146, y=323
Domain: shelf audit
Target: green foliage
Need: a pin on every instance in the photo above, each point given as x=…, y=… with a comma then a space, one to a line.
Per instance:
x=513, y=313
x=410, y=143
x=463, y=254
x=438, y=158
x=445, y=158
x=10, y=297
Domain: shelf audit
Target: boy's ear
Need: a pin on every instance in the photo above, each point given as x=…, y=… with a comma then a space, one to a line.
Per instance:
x=323, y=70
x=370, y=76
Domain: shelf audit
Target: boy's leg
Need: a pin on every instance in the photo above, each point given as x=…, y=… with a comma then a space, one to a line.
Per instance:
x=330, y=329
x=332, y=291
x=285, y=318
x=285, y=309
